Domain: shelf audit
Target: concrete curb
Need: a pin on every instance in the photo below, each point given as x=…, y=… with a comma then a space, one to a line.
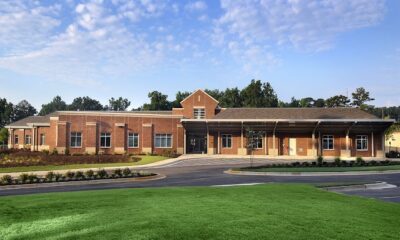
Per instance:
x=84, y=182
x=369, y=186
x=309, y=174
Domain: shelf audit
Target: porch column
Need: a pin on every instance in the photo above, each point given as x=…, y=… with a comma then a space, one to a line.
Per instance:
x=219, y=142
x=319, y=144
x=242, y=150
x=265, y=143
x=184, y=141
x=313, y=143
x=372, y=145
x=10, y=138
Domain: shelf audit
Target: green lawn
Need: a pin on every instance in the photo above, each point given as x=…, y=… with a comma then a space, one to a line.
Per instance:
x=144, y=160
x=270, y=211
x=322, y=169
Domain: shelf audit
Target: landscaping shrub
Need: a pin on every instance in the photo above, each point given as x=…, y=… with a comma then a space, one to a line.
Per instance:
x=169, y=153
x=89, y=174
x=23, y=177
x=70, y=175
x=320, y=160
x=126, y=172
x=50, y=176
x=32, y=178
x=360, y=161
x=6, y=179
x=58, y=177
x=393, y=154
x=118, y=172
x=66, y=152
x=337, y=161
x=102, y=173
x=54, y=152
x=79, y=175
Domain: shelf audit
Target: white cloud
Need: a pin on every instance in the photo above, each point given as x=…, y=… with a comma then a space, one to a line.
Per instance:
x=307, y=25
x=196, y=6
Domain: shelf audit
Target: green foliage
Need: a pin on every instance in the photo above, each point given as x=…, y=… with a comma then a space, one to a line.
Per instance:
x=57, y=104
x=23, y=177
x=360, y=97
x=337, y=101
x=3, y=136
x=50, y=176
x=320, y=160
x=126, y=172
x=85, y=104
x=179, y=97
x=6, y=112
x=6, y=179
x=70, y=174
x=22, y=110
x=231, y=98
x=119, y=104
x=360, y=161
x=258, y=94
x=102, y=173
x=337, y=161
x=89, y=173
x=158, y=101
x=118, y=172
x=79, y=175
x=54, y=152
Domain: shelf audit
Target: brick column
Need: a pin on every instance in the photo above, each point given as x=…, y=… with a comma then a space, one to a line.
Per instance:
x=147, y=138
x=91, y=137
x=179, y=139
x=62, y=141
x=120, y=138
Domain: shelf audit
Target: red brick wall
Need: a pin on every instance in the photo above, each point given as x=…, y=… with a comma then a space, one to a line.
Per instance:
x=198, y=99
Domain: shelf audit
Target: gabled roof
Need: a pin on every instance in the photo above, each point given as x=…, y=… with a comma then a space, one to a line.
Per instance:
x=294, y=113
x=202, y=92
x=28, y=121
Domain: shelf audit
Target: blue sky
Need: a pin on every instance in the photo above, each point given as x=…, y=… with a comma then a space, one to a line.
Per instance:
x=127, y=48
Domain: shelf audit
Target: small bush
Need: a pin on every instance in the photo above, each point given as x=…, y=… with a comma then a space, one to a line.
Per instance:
x=6, y=179
x=360, y=161
x=102, y=173
x=79, y=175
x=126, y=172
x=118, y=172
x=337, y=161
x=58, y=177
x=46, y=152
x=89, y=173
x=50, y=176
x=23, y=177
x=66, y=152
x=70, y=174
x=320, y=160
x=54, y=152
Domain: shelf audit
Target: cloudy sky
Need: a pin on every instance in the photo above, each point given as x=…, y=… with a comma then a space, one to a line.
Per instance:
x=105, y=48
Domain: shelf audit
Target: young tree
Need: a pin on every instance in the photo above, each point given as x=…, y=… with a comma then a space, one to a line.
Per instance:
x=119, y=104
x=3, y=136
x=22, y=110
x=158, y=101
x=57, y=104
x=360, y=97
x=337, y=101
x=85, y=104
x=270, y=97
x=231, y=98
x=6, y=111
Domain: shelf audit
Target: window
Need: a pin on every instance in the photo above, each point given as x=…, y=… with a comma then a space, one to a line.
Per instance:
x=362, y=142
x=105, y=140
x=199, y=113
x=226, y=140
x=163, y=141
x=16, y=139
x=28, y=139
x=76, y=139
x=257, y=142
x=133, y=140
x=327, y=142
x=42, y=139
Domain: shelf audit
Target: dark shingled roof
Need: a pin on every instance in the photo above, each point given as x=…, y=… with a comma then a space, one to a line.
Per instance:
x=294, y=113
x=33, y=119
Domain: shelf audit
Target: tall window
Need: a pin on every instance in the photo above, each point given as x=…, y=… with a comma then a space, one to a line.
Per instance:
x=105, y=140
x=133, y=140
x=76, y=139
x=28, y=139
x=42, y=139
x=199, y=113
x=258, y=142
x=163, y=140
x=226, y=140
x=362, y=142
x=327, y=142
x=16, y=139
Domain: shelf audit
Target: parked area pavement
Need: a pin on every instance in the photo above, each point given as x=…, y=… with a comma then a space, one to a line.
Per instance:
x=210, y=172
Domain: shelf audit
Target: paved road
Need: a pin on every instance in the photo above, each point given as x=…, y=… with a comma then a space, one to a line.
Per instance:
x=201, y=172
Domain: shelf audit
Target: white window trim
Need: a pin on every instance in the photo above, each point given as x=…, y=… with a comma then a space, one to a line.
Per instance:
x=16, y=137
x=365, y=149
x=70, y=140
x=199, y=108
x=222, y=141
x=333, y=143
x=41, y=142
x=172, y=140
x=30, y=140
x=262, y=143
x=104, y=146
x=138, y=143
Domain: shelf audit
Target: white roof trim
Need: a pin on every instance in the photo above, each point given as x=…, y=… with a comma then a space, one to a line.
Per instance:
x=289, y=120
x=200, y=91
x=95, y=113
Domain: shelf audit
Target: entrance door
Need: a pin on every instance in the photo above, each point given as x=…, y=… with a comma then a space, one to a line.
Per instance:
x=196, y=144
x=292, y=146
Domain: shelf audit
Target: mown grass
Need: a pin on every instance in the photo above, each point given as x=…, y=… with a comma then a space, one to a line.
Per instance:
x=321, y=169
x=270, y=211
x=144, y=160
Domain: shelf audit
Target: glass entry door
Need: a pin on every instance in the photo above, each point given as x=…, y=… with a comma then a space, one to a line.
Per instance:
x=196, y=144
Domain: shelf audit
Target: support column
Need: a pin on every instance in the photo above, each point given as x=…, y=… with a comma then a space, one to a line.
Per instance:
x=265, y=143
x=184, y=141
x=372, y=145
x=319, y=144
x=219, y=142
x=242, y=150
x=147, y=137
x=313, y=152
x=274, y=151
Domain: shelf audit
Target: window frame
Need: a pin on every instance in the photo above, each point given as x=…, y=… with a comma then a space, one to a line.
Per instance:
x=228, y=137
x=199, y=113
x=16, y=139
x=366, y=141
x=260, y=139
x=76, y=137
x=107, y=134
x=28, y=136
x=42, y=140
x=160, y=136
x=137, y=136
x=329, y=137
